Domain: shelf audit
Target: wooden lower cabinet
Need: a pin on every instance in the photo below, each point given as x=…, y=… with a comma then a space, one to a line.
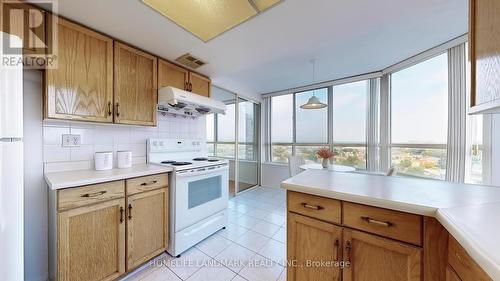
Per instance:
x=91, y=242
x=310, y=242
x=147, y=226
x=375, y=258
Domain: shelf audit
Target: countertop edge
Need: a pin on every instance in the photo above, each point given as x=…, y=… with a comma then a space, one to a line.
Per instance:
x=489, y=266
x=365, y=200
x=122, y=174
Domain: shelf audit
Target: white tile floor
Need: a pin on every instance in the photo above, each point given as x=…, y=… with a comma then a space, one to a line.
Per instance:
x=252, y=247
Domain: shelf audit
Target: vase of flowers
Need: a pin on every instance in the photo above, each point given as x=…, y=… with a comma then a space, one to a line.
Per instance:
x=325, y=153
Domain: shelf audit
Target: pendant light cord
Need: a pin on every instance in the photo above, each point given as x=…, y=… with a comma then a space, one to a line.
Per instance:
x=313, y=61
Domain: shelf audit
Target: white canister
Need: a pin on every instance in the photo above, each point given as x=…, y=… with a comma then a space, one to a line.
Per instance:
x=103, y=160
x=124, y=159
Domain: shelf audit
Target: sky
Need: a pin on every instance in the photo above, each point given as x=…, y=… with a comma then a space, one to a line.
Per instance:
x=419, y=109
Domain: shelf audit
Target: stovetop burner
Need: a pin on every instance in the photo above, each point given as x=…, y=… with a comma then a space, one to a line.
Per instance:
x=181, y=163
x=175, y=163
x=212, y=160
x=200, y=159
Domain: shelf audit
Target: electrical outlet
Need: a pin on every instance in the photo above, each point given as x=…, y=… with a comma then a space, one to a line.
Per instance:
x=69, y=140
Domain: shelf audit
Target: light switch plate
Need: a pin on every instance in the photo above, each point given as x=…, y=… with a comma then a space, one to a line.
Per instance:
x=69, y=140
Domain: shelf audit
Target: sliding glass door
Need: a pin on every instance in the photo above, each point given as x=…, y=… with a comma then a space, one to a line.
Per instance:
x=235, y=136
x=248, y=145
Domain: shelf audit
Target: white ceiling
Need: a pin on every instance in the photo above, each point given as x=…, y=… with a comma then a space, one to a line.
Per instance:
x=272, y=51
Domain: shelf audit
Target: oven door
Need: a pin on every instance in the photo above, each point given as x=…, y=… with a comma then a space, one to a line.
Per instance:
x=200, y=194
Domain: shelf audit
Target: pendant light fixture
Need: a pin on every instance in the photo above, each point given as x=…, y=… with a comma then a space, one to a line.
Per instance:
x=313, y=102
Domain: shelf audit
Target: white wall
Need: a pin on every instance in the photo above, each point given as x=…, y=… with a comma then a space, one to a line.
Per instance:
x=35, y=190
x=495, y=150
x=274, y=174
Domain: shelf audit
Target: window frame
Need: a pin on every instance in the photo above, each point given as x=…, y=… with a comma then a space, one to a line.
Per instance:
x=330, y=139
x=236, y=143
x=390, y=145
x=379, y=142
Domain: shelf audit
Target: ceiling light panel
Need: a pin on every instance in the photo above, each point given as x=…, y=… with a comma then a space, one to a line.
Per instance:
x=207, y=19
x=265, y=4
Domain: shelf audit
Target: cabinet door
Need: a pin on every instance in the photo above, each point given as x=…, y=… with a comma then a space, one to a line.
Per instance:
x=172, y=75
x=374, y=258
x=91, y=242
x=199, y=84
x=484, y=39
x=81, y=87
x=451, y=275
x=309, y=243
x=147, y=227
x=135, y=86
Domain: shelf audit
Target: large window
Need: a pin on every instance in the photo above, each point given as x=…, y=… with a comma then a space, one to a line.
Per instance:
x=398, y=119
x=297, y=131
x=221, y=128
x=350, y=103
x=419, y=118
x=301, y=132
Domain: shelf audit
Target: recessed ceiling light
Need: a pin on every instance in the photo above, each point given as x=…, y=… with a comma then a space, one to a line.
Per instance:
x=207, y=19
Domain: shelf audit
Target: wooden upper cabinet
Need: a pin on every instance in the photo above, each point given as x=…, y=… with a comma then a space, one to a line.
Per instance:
x=311, y=240
x=172, y=75
x=81, y=87
x=484, y=48
x=91, y=242
x=375, y=258
x=135, y=86
x=147, y=226
x=199, y=84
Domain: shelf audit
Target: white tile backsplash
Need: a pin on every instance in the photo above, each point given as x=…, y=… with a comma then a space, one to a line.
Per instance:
x=110, y=137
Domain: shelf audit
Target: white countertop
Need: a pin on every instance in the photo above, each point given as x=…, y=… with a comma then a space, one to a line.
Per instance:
x=471, y=213
x=58, y=180
x=477, y=229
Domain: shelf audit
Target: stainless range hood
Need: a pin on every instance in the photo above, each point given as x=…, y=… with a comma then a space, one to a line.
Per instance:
x=180, y=102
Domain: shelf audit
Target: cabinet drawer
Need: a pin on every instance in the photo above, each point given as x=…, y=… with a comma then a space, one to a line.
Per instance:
x=392, y=224
x=314, y=206
x=462, y=263
x=146, y=183
x=81, y=196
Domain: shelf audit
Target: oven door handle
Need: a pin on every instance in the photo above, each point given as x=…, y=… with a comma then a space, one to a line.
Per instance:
x=200, y=171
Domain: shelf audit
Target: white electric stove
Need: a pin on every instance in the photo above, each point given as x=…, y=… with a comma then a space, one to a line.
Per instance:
x=198, y=190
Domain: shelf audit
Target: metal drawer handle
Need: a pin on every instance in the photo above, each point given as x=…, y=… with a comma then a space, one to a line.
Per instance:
x=121, y=214
x=149, y=183
x=383, y=223
x=337, y=252
x=348, y=248
x=109, y=108
x=313, y=207
x=129, y=211
x=88, y=195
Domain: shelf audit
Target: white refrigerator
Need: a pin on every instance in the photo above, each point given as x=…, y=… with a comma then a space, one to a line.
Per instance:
x=11, y=168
